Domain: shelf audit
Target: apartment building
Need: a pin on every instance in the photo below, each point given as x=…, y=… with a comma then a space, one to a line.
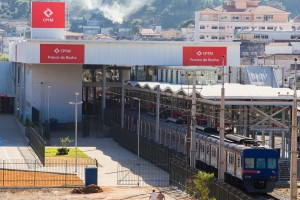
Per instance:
x=223, y=23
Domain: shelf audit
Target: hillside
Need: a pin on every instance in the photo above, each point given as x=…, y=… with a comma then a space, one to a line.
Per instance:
x=121, y=13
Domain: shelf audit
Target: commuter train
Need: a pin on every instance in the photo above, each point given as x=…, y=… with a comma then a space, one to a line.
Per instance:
x=247, y=164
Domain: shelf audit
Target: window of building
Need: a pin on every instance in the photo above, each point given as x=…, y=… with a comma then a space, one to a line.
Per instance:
x=268, y=17
x=260, y=163
x=222, y=37
x=256, y=36
x=271, y=163
x=258, y=17
x=235, y=18
x=249, y=163
x=214, y=37
x=202, y=37
x=202, y=27
x=247, y=18
x=293, y=37
x=262, y=28
x=238, y=27
x=270, y=28
x=264, y=36
x=221, y=27
x=214, y=27
x=223, y=17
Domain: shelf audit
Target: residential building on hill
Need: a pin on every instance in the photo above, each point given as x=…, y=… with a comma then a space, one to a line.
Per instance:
x=223, y=23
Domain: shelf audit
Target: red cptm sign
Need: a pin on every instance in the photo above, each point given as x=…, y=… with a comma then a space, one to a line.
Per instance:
x=48, y=15
x=62, y=53
x=204, y=56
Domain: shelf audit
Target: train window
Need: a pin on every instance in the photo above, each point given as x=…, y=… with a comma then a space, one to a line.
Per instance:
x=207, y=149
x=260, y=163
x=249, y=163
x=271, y=163
x=214, y=152
x=239, y=162
x=231, y=158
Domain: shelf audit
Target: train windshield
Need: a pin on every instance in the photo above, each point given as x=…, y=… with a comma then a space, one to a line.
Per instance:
x=271, y=163
x=261, y=163
x=249, y=163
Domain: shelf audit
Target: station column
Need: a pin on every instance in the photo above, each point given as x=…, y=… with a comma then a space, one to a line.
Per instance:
x=103, y=103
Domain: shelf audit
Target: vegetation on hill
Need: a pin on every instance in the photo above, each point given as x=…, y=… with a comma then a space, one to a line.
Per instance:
x=166, y=13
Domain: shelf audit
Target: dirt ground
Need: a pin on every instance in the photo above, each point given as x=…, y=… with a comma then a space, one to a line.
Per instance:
x=109, y=193
x=286, y=191
x=13, y=178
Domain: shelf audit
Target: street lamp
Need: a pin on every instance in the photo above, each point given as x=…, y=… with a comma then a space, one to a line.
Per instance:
x=222, y=129
x=138, y=135
x=293, y=163
x=76, y=103
x=49, y=103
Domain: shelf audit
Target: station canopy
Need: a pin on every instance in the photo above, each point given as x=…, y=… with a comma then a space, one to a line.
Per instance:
x=235, y=93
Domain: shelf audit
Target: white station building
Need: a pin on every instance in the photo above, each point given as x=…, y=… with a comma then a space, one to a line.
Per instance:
x=48, y=70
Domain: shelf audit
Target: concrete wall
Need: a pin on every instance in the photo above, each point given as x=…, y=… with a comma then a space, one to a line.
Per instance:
x=64, y=80
x=271, y=49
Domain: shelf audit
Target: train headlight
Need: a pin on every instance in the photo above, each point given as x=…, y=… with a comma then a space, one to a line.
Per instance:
x=247, y=176
x=273, y=177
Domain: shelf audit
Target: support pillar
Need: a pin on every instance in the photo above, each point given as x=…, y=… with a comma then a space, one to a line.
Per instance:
x=157, y=114
x=263, y=138
x=103, y=102
x=122, y=103
x=271, y=140
x=16, y=107
x=282, y=145
x=94, y=91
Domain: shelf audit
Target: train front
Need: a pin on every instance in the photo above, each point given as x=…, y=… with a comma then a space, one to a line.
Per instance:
x=260, y=169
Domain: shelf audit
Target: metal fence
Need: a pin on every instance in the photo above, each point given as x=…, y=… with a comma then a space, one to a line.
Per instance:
x=177, y=166
x=55, y=173
x=139, y=173
x=37, y=143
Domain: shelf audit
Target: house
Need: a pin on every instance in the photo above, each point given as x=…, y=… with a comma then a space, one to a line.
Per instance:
x=223, y=23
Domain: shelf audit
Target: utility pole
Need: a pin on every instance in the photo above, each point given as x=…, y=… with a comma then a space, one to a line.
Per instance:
x=293, y=162
x=193, y=125
x=221, y=163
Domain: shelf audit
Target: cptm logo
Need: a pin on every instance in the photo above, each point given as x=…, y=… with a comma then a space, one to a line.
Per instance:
x=48, y=13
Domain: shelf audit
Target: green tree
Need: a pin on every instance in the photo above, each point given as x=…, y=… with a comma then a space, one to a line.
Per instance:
x=199, y=186
x=135, y=26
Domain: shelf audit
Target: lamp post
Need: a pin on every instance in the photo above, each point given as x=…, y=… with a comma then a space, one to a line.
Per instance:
x=76, y=103
x=222, y=129
x=293, y=162
x=138, y=136
x=49, y=87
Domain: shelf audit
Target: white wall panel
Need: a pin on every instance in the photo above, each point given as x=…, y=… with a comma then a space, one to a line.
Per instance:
x=128, y=52
x=64, y=80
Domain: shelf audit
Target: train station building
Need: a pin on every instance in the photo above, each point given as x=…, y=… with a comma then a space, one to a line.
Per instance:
x=48, y=70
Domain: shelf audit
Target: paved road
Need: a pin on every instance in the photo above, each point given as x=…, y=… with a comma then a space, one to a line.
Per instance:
x=109, y=155
x=13, y=145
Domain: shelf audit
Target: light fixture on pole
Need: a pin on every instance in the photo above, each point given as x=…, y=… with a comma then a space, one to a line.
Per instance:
x=76, y=103
x=49, y=87
x=222, y=128
x=138, y=135
x=293, y=162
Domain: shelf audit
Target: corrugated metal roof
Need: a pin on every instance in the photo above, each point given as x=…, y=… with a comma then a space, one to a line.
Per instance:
x=254, y=95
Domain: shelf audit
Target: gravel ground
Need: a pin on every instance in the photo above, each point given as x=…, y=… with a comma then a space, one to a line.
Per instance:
x=109, y=193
